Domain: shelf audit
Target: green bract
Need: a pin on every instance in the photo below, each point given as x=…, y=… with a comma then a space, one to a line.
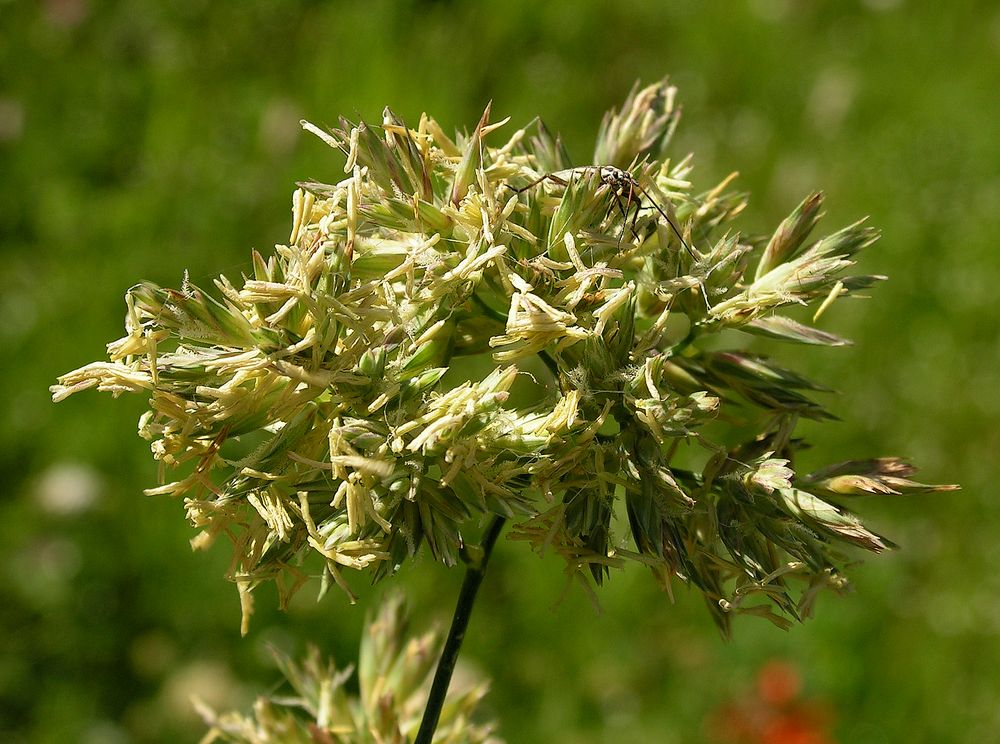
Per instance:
x=327, y=404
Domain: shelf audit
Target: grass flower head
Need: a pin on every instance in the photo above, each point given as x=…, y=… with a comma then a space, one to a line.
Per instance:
x=324, y=407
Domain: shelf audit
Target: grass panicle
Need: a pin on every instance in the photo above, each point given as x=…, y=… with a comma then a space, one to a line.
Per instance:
x=319, y=413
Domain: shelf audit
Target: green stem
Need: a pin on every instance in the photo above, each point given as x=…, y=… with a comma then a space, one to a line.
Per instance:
x=456, y=634
x=543, y=355
x=680, y=346
x=490, y=312
x=552, y=364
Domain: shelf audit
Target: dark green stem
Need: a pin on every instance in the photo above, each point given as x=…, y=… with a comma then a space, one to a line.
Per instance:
x=543, y=355
x=456, y=634
x=552, y=364
x=489, y=311
x=680, y=346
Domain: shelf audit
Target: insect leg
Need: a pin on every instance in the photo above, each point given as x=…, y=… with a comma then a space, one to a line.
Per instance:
x=635, y=214
x=617, y=202
x=547, y=177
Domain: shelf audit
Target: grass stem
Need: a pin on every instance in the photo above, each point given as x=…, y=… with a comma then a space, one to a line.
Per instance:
x=456, y=634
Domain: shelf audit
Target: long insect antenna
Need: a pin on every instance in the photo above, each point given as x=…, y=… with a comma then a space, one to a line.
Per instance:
x=665, y=216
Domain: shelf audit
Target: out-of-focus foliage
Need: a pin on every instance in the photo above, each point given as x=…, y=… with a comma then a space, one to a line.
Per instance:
x=138, y=138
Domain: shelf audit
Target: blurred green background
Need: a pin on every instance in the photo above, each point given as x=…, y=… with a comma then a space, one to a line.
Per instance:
x=139, y=139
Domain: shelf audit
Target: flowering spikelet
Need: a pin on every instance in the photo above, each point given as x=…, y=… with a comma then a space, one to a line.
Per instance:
x=323, y=405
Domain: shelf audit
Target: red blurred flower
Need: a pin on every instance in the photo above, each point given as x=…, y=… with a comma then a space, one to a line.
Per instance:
x=773, y=712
